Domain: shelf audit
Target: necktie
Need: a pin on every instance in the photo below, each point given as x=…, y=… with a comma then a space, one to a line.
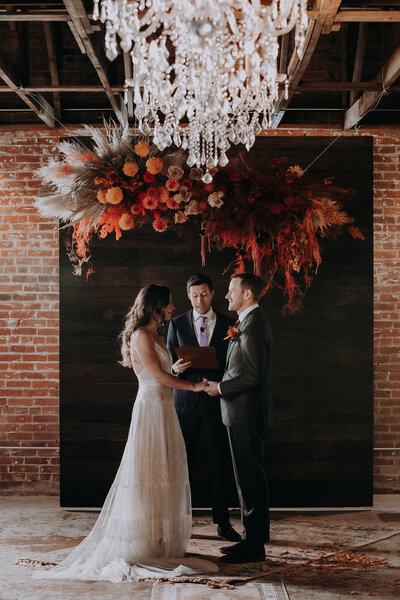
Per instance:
x=203, y=331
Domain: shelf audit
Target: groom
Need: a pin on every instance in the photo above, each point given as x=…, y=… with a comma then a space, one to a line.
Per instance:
x=204, y=326
x=246, y=405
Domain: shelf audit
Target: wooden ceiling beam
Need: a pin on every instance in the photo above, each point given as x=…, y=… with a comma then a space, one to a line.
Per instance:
x=305, y=86
x=116, y=89
x=36, y=102
x=361, y=16
x=368, y=16
x=368, y=101
x=359, y=58
x=338, y=86
x=33, y=16
x=332, y=12
x=81, y=24
x=51, y=53
x=297, y=66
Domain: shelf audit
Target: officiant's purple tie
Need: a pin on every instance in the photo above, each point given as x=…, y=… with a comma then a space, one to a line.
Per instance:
x=203, y=331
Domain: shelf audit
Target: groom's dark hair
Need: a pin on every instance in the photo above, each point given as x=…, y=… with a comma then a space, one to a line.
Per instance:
x=249, y=281
x=199, y=279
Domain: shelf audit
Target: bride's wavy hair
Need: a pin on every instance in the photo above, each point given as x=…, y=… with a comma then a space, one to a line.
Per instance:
x=150, y=301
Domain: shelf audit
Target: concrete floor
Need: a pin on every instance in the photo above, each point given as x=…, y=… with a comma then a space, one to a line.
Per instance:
x=329, y=555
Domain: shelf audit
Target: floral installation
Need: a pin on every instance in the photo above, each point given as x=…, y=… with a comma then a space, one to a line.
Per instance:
x=232, y=334
x=273, y=219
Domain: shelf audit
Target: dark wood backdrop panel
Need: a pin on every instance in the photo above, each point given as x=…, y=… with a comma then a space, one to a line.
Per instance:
x=320, y=451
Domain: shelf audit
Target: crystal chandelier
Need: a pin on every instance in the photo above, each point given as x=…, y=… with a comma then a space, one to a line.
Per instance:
x=204, y=71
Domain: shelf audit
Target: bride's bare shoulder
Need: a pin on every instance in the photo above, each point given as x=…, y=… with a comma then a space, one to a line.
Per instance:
x=142, y=338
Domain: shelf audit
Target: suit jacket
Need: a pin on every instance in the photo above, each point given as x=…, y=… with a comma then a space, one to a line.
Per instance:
x=181, y=333
x=246, y=390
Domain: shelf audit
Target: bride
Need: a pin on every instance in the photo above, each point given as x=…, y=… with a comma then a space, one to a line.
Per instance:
x=145, y=524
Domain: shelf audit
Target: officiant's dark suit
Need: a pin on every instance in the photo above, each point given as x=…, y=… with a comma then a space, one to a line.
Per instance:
x=197, y=411
x=246, y=406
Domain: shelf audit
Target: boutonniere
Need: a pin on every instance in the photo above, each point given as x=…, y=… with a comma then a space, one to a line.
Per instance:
x=232, y=334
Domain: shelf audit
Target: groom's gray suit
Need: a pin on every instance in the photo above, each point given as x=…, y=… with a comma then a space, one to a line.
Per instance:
x=246, y=406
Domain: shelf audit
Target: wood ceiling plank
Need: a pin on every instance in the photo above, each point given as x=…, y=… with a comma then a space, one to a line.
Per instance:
x=32, y=16
x=368, y=16
x=359, y=58
x=36, y=102
x=77, y=13
x=389, y=73
x=51, y=53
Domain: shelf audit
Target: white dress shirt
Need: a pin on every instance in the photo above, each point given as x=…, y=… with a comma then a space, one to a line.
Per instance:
x=209, y=324
x=246, y=311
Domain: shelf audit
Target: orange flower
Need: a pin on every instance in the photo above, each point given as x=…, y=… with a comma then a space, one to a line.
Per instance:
x=130, y=168
x=232, y=334
x=172, y=185
x=114, y=195
x=150, y=202
x=136, y=209
x=101, y=196
x=126, y=221
x=164, y=195
x=160, y=225
x=154, y=165
x=172, y=203
x=180, y=217
x=98, y=180
x=142, y=148
x=63, y=171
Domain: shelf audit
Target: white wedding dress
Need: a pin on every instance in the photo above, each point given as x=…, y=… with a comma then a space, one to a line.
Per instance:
x=145, y=524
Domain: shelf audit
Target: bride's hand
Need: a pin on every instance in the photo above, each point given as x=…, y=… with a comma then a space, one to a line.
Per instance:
x=180, y=366
x=199, y=387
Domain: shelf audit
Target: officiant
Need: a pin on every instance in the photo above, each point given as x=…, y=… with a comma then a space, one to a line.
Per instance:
x=203, y=326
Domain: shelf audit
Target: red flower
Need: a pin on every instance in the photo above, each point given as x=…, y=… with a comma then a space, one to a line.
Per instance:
x=160, y=225
x=172, y=185
x=136, y=209
x=150, y=202
x=188, y=183
x=148, y=177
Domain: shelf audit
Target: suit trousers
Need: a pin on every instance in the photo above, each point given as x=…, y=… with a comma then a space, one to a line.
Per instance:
x=217, y=448
x=247, y=448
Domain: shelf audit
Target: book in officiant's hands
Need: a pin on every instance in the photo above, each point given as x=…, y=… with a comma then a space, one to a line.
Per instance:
x=201, y=357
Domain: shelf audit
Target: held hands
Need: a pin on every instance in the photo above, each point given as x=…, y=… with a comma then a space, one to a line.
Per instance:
x=180, y=367
x=198, y=387
x=211, y=387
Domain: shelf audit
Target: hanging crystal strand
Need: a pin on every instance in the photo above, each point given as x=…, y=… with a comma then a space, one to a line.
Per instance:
x=215, y=151
x=103, y=12
x=203, y=152
x=95, y=15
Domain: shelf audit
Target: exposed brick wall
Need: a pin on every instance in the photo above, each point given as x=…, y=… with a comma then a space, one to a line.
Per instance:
x=29, y=311
x=29, y=322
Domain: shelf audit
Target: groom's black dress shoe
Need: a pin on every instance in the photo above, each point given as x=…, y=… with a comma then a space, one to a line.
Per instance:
x=231, y=548
x=226, y=531
x=244, y=554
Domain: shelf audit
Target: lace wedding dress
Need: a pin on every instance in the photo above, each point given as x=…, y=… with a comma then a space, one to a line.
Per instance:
x=145, y=524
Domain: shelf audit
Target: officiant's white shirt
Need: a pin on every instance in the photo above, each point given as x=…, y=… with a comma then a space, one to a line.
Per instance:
x=209, y=323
